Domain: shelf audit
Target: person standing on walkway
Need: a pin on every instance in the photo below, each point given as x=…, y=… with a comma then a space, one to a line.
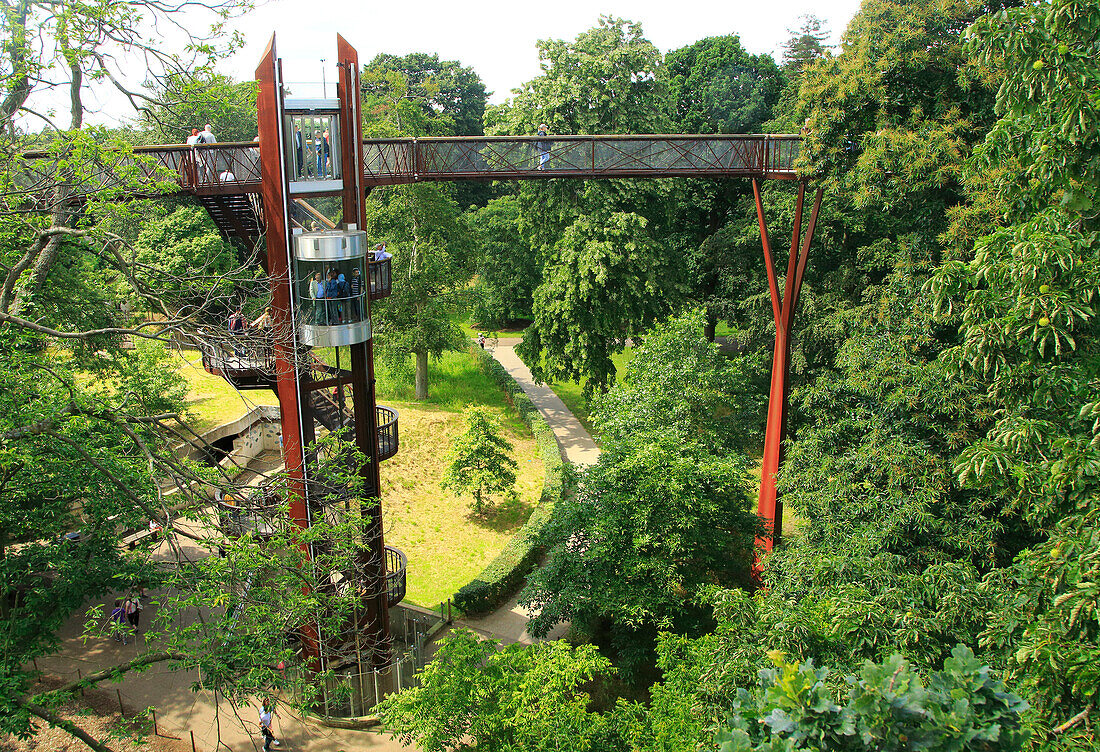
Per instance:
x=194, y=137
x=206, y=158
x=323, y=152
x=298, y=149
x=543, y=146
x=267, y=710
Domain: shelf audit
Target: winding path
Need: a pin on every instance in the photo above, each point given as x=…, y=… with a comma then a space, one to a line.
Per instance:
x=509, y=622
x=575, y=442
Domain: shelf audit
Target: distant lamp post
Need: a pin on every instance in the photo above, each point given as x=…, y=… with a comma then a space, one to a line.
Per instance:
x=324, y=91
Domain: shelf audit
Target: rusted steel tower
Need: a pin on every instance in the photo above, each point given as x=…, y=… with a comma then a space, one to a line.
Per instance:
x=769, y=506
x=309, y=148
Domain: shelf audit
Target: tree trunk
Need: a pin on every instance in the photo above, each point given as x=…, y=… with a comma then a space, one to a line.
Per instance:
x=421, y=374
x=710, y=327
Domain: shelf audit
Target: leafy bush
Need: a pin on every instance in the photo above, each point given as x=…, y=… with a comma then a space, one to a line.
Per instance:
x=504, y=574
x=963, y=707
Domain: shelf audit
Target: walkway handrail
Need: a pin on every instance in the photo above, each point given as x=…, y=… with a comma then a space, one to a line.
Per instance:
x=388, y=439
x=234, y=168
x=388, y=161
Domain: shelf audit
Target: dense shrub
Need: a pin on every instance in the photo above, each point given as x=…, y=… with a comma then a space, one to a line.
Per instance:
x=962, y=707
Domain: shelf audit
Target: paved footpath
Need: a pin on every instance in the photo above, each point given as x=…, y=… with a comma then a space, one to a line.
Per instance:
x=576, y=443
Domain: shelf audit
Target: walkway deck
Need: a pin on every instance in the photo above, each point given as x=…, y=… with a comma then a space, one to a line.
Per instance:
x=234, y=168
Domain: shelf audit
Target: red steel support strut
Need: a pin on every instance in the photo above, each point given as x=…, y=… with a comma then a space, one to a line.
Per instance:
x=769, y=507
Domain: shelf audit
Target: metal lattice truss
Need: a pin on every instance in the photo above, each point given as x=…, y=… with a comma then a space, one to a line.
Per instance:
x=221, y=169
x=389, y=161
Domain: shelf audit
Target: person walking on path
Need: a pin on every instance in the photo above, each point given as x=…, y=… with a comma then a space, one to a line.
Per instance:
x=133, y=612
x=194, y=137
x=267, y=710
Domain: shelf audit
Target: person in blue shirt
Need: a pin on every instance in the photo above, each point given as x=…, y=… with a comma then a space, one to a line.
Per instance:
x=322, y=154
x=332, y=291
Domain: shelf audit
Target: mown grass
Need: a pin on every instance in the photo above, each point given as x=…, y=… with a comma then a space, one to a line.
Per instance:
x=446, y=545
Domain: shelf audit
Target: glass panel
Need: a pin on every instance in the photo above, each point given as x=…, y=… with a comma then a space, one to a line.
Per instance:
x=331, y=292
x=313, y=146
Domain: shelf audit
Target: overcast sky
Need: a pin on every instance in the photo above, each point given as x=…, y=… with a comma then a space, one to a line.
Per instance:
x=498, y=39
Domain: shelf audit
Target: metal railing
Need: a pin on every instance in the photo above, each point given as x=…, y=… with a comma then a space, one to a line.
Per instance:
x=255, y=514
x=387, y=431
x=236, y=356
x=381, y=279
x=396, y=569
x=153, y=170
x=391, y=161
x=235, y=167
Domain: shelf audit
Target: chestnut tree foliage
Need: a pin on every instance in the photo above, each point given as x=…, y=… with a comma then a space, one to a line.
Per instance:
x=943, y=458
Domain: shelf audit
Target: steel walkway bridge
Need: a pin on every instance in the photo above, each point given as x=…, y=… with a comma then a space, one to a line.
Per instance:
x=234, y=168
x=226, y=178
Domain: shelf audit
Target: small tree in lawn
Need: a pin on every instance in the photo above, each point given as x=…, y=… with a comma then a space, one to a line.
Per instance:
x=478, y=461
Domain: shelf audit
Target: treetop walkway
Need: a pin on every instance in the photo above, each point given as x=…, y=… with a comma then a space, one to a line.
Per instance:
x=234, y=168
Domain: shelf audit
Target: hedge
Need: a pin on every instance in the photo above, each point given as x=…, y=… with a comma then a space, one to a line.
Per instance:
x=504, y=574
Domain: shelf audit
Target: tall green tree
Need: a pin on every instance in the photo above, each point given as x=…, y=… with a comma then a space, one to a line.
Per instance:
x=652, y=524
x=420, y=95
x=805, y=45
x=677, y=383
x=605, y=282
x=509, y=269
x=608, y=80
x=533, y=697
x=1024, y=296
x=433, y=260
x=440, y=88
x=192, y=99
x=478, y=461
x=715, y=86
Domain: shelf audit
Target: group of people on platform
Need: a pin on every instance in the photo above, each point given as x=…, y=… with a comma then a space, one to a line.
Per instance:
x=313, y=153
x=337, y=297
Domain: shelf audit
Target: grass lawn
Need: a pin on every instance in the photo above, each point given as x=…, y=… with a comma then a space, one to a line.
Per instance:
x=211, y=400
x=446, y=546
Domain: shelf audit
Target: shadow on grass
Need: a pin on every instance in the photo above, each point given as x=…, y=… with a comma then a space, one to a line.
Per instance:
x=505, y=517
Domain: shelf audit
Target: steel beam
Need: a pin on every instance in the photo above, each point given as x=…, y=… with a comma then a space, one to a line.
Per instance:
x=769, y=505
